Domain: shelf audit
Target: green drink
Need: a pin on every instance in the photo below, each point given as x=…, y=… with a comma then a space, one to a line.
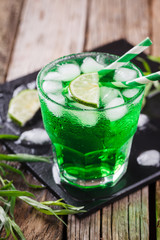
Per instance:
x=91, y=125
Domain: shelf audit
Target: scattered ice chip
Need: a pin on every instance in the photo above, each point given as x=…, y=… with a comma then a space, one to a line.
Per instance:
x=90, y=65
x=117, y=112
x=18, y=90
x=129, y=93
x=107, y=94
x=69, y=71
x=35, y=136
x=52, y=86
x=149, y=158
x=31, y=85
x=124, y=74
x=55, y=76
x=143, y=120
x=59, y=98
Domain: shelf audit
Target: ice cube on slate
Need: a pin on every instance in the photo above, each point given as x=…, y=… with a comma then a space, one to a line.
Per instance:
x=149, y=158
x=90, y=65
x=35, y=136
x=117, y=112
x=143, y=120
x=69, y=71
x=52, y=86
x=129, y=93
x=107, y=94
x=55, y=76
x=124, y=74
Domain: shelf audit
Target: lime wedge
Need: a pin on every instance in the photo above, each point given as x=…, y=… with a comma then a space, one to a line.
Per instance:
x=85, y=89
x=23, y=106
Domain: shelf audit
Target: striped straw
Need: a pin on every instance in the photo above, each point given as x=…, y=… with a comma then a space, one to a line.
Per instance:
x=136, y=82
x=123, y=60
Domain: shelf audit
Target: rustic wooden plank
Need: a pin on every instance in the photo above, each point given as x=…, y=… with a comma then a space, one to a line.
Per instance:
x=145, y=214
x=158, y=209
x=47, y=31
x=120, y=219
x=155, y=22
x=134, y=215
x=137, y=20
x=107, y=222
x=87, y=228
x=9, y=19
x=105, y=22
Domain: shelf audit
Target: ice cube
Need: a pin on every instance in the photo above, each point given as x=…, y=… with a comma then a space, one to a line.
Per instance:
x=129, y=93
x=124, y=74
x=35, y=136
x=55, y=76
x=54, y=108
x=59, y=98
x=52, y=86
x=87, y=118
x=69, y=71
x=118, y=112
x=142, y=122
x=90, y=65
x=149, y=158
x=107, y=94
x=101, y=59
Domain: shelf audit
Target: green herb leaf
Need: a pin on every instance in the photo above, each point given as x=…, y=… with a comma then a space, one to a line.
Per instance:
x=8, y=137
x=15, y=193
x=10, y=168
x=154, y=59
x=4, y=223
x=24, y=158
x=16, y=229
x=145, y=65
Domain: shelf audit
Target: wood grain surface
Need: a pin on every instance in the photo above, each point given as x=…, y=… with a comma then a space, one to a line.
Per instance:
x=36, y=32
x=10, y=12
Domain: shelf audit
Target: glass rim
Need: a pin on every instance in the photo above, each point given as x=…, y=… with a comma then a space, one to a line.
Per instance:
x=71, y=57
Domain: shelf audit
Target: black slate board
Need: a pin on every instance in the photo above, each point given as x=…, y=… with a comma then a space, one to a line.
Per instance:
x=136, y=177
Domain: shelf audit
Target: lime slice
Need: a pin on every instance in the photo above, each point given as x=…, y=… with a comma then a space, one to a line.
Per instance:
x=23, y=106
x=85, y=89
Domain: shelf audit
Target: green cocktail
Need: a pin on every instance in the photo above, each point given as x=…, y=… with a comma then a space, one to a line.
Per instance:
x=91, y=133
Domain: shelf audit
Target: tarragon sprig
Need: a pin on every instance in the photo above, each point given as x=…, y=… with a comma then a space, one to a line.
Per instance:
x=9, y=194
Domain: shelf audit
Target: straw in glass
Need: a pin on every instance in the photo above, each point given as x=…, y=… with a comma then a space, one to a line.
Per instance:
x=136, y=82
x=123, y=60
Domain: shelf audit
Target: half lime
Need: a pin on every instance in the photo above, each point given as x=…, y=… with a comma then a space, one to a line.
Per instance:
x=85, y=89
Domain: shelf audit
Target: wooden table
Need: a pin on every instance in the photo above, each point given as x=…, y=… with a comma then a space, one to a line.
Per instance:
x=33, y=33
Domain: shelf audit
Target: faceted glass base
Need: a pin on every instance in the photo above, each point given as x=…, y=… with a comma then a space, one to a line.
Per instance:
x=108, y=181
